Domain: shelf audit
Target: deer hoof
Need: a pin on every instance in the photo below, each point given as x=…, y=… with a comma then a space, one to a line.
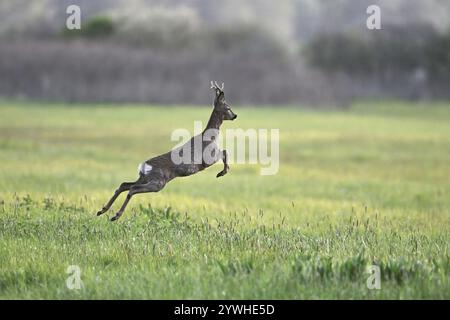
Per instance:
x=117, y=216
x=221, y=173
x=100, y=212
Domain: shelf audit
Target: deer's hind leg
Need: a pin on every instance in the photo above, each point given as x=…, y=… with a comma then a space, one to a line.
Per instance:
x=151, y=186
x=125, y=186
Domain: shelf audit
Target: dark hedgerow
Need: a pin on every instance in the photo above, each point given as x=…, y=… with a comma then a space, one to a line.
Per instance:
x=96, y=27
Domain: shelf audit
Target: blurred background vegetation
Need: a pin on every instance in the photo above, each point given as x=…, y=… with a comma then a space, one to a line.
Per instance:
x=267, y=52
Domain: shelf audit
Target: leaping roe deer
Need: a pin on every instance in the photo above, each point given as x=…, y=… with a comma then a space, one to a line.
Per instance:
x=156, y=172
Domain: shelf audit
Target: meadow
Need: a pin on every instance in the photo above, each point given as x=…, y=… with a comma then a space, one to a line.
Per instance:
x=364, y=186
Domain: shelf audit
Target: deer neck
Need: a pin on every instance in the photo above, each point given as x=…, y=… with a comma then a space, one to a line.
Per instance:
x=215, y=121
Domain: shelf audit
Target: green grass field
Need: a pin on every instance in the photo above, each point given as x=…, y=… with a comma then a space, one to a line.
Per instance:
x=369, y=185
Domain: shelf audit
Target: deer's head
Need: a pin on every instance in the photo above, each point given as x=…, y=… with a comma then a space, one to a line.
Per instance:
x=221, y=107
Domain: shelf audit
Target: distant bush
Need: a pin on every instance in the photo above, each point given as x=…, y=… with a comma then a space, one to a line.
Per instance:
x=394, y=49
x=96, y=27
x=156, y=27
x=174, y=30
x=438, y=53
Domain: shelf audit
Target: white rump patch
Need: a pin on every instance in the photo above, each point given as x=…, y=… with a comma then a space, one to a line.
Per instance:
x=144, y=168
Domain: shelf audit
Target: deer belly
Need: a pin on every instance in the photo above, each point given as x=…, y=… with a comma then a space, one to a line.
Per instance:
x=184, y=170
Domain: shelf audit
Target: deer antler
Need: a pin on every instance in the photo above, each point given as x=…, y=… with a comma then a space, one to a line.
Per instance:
x=215, y=86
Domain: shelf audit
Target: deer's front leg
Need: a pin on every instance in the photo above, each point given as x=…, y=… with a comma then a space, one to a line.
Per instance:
x=225, y=164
